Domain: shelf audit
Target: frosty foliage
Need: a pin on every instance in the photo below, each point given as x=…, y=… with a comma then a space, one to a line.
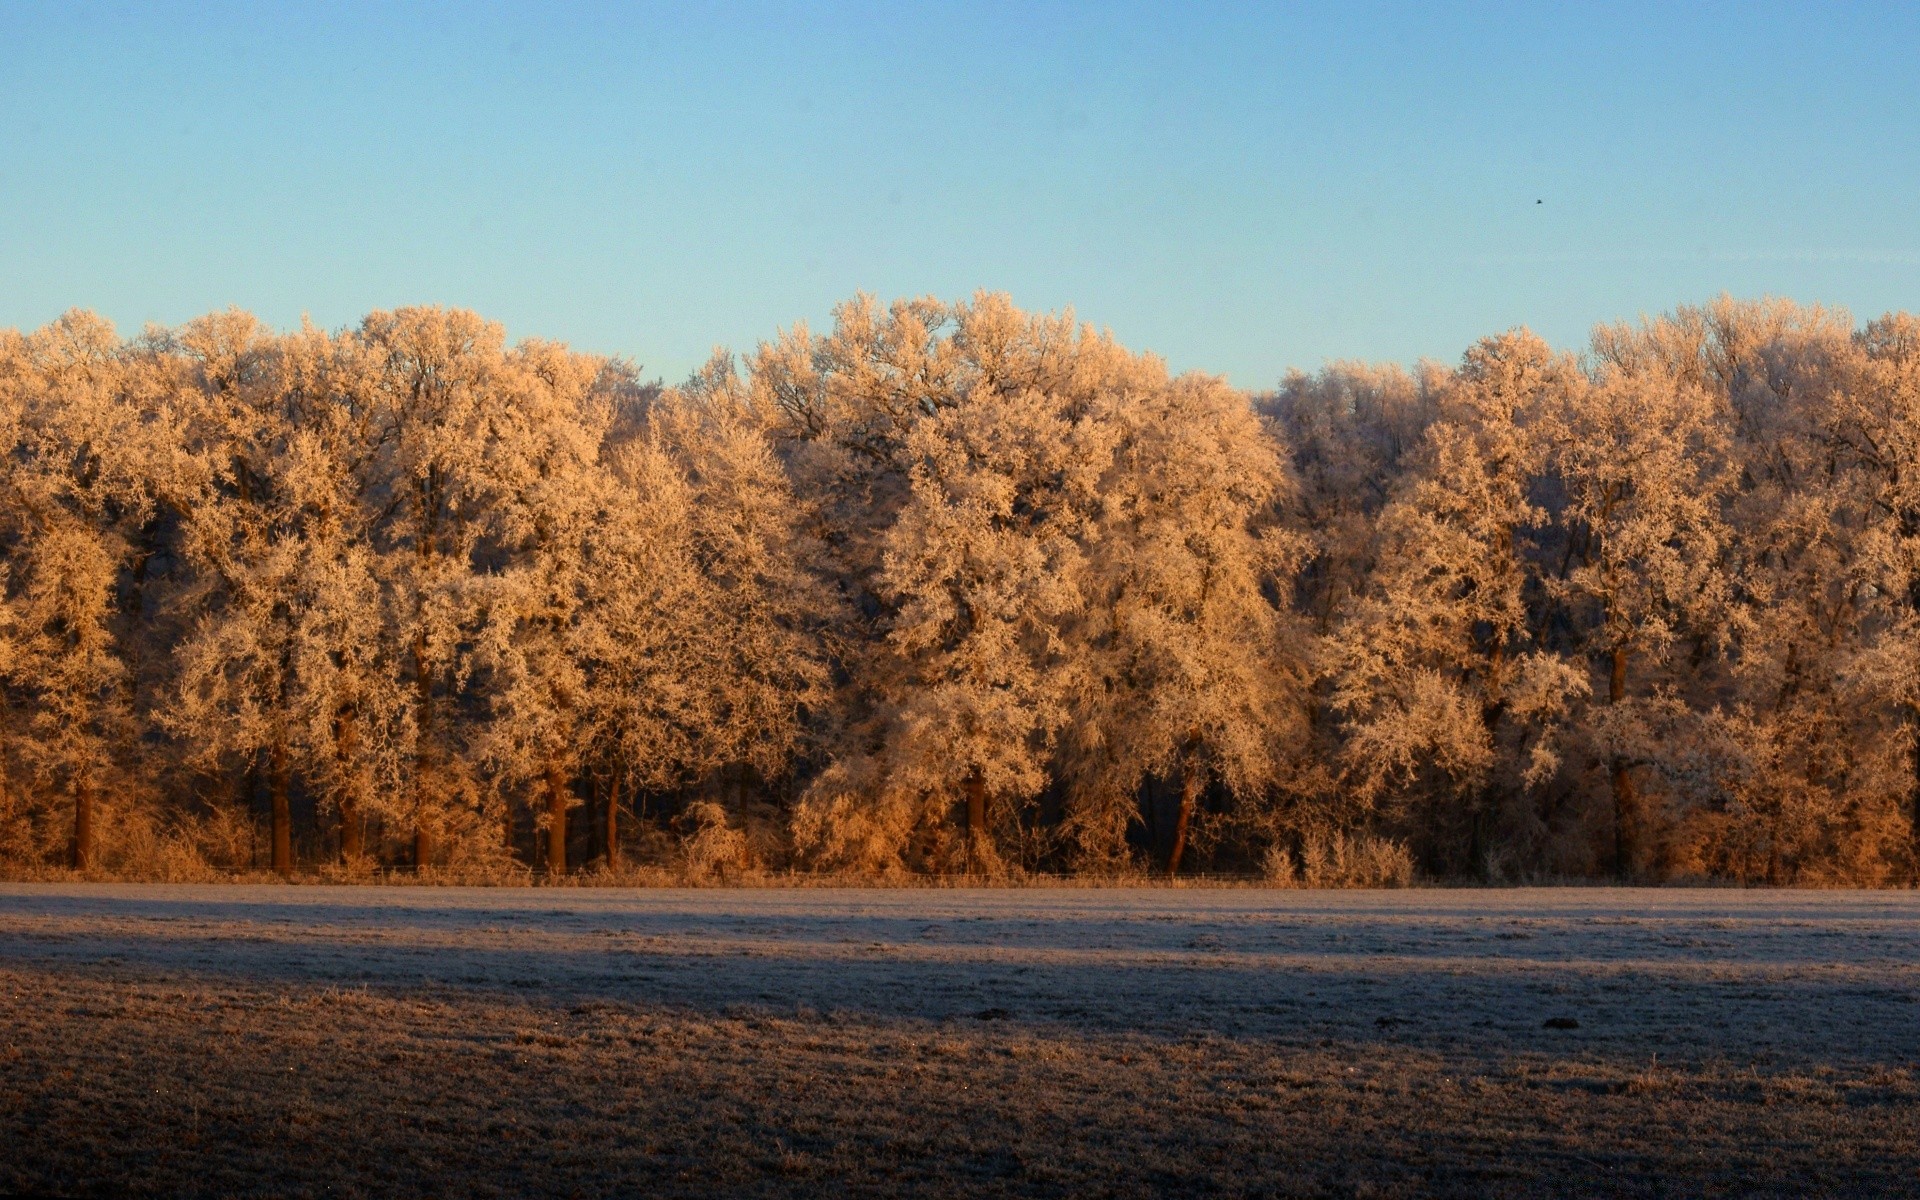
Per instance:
x=956, y=587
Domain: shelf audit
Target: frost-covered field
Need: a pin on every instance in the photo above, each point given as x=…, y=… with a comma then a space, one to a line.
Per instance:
x=1056, y=1042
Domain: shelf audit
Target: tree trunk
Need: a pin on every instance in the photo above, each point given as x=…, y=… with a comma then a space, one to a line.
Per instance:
x=1910, y=526
x=82, y=823
x=556, y=821
x=423, y=755
x=1626, y=802
x=613, y=823
x=596, y=817
x=1625, y=819
x=351, y=848
x=1190, y=779
x=976, y=815
x=278, y=783
x=1913, y=802
x=244, y=794
x=1151, y=786
x=1477, y=823
x=345, y=750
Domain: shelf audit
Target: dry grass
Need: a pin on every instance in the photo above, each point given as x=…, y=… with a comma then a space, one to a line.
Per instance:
x=287, y=1042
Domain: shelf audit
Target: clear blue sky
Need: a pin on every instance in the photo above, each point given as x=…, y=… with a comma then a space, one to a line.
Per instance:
x=1239, y=189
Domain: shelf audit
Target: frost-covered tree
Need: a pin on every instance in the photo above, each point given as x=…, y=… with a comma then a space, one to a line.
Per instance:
x=962, y=450
x=440, y=383
x=1449, y=701
x=1641, y=462
x=649, y=625
x=283, y=658
x=1060, y=552
x=1194, y=669
x=237, y=681
x=761, y=651
x=1348, y=430
x=96, y=444
x=536, y=499
x=1786, y=762
x=953, y=584
x=1807, y=739
x=1875, y=424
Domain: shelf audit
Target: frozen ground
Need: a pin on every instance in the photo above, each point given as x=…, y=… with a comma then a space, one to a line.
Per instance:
x=364, y=1040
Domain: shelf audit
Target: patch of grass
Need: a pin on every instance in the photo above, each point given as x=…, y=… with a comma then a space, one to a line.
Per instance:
x=189, y=1088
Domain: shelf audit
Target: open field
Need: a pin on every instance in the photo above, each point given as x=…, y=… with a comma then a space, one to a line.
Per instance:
x=371, y=1041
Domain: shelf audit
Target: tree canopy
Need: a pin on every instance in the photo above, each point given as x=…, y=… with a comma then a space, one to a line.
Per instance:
x=953, y=587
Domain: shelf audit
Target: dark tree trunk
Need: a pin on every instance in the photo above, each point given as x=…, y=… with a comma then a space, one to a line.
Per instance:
x=351, y=844
x=1626, y=805
x=1181, y=819
x=423, y=757
x=556, y=821
x=976, y=816
x=1477, y=823
x=243, y=793
x=278, y=783
x=1151, y=788
x=596, y=817
x=1626, y=802
x=1913, y=804
x=613, y=823
x=280, y=768
x=1910, y=526
x=82, y=848
x=1486, y=801
x=345, y=750
x=1190, y=781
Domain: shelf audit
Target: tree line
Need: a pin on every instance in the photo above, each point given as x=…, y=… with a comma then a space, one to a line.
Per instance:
x=957, y=588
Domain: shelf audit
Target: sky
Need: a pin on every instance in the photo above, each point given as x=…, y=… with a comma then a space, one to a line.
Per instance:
x=1239, y=189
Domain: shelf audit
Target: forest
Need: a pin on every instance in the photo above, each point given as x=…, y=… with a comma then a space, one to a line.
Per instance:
x=957, y=590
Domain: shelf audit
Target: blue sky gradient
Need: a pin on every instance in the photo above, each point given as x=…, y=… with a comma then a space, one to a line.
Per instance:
x=1240, y=190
